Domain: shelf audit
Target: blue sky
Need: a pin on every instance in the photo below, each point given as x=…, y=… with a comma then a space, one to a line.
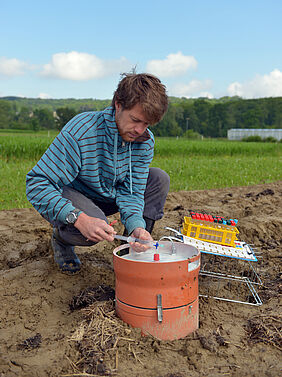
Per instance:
x=77, y=49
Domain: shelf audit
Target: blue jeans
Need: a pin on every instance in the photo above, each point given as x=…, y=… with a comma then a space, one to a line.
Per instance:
x=155, y=195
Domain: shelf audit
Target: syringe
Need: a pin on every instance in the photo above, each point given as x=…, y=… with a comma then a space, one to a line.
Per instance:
x=133, y=239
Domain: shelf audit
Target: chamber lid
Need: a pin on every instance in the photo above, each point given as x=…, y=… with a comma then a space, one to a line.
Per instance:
x=168, y=252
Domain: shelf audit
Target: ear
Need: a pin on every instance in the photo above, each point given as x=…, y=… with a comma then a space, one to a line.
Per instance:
x=118, y=106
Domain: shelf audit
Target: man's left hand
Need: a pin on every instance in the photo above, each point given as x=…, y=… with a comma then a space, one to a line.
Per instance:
x=142, y=234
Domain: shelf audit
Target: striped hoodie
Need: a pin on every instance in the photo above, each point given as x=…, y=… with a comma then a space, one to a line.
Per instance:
x=90, y=156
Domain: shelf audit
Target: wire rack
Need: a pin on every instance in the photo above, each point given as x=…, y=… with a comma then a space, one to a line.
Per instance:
x=228, y=279
x=230, y=276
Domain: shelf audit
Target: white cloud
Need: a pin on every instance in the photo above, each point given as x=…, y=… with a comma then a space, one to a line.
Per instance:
x=174, y=65
x=44, y=96
x=12, y=67
x=79, y=66
x=269, y=85
x=206, y=95
x=194, y=88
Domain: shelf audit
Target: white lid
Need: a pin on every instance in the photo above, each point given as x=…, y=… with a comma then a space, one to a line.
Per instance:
x=168, y=252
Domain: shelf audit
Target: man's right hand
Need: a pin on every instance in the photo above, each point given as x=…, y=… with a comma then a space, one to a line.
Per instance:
x=94, y=229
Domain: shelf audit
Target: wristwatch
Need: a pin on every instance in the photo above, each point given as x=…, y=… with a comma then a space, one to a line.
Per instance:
x=72, y=216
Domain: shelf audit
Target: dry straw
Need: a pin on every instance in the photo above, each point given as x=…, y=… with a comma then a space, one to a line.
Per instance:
x=100, y=338
x=266, y=329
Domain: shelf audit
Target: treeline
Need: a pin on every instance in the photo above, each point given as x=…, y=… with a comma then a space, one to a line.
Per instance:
x=207, y=117
x=36, y=114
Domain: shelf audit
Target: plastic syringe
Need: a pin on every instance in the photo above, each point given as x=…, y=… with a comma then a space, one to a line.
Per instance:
x=133, y=239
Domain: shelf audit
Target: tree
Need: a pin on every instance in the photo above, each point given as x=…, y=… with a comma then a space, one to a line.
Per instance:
x=23, y=119
x=217, y=121
x=169, y=126
x=202, y=108
x=34, y=124
x=6, y=114
x=24, y=115
x=63, y=115
x=45, y=118
x=190, y=119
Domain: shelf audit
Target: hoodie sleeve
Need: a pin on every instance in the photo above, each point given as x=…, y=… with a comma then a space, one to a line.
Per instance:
x=130, y=196
x=59, y=166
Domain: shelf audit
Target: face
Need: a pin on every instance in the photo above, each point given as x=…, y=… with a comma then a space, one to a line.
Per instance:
x=131, y=123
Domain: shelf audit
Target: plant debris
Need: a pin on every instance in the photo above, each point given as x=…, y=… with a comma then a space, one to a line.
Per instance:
x=90, y=295
x=98, y=337
x=31, y=343
x=266, y=329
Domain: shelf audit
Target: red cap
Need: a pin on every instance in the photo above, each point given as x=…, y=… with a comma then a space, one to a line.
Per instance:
x=156, y=257
x=202, y=216
x=193, y=216
x=206, y=217
x=197, y=216
x=210, y=218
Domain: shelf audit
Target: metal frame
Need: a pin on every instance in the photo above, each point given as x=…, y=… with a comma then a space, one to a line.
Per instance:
x=240, y=277
x=238, y=271
x=249, y=284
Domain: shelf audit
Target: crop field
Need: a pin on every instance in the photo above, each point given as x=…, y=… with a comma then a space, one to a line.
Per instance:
x=198, y=165
x=192, y=165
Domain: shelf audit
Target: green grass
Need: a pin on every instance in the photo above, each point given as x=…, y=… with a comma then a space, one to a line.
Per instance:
x=170, y=147
x=192, y=165
x=205, y=172
x=12, y=183
x=33, y=145
x=25, y=146
x=9, y=132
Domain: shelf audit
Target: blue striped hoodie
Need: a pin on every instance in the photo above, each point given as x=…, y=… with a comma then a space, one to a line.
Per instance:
x=90, y=156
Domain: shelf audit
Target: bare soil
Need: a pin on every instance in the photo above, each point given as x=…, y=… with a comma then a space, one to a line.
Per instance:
x=51, y=322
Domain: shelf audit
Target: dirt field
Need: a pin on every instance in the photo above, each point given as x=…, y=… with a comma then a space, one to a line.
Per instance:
x=45, y=331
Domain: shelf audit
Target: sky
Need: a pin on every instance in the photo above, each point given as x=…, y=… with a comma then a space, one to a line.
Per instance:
x=198, y=48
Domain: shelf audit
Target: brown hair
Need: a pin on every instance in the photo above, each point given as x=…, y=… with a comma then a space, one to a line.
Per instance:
x=144, y=89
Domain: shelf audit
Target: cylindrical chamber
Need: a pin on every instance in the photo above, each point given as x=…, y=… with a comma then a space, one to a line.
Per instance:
x=160, y=297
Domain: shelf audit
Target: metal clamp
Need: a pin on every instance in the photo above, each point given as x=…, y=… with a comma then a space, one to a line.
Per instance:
x=171, y=238
x=159, y=308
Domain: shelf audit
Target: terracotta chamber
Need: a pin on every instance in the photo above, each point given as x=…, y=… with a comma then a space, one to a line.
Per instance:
x=160, y=297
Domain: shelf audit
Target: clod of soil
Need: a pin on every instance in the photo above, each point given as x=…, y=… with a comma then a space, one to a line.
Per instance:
x=31, y=343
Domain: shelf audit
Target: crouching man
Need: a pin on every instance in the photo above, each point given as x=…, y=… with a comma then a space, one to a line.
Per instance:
x=99, y=165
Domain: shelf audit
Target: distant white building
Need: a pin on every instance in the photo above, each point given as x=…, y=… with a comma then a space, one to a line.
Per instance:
x=240, y=133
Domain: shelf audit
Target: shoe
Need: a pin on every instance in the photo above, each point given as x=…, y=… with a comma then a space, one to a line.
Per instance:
x=64, y=255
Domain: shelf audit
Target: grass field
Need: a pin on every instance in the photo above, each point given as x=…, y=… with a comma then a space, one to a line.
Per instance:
x=192, y=165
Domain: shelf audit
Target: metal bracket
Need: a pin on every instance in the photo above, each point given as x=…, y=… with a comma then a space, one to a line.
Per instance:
x=159, y=308
x=171, y=238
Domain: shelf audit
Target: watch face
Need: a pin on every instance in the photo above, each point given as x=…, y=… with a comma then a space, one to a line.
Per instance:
x=71, y=218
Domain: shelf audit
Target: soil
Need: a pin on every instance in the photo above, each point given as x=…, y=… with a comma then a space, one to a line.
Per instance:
x=50, y=321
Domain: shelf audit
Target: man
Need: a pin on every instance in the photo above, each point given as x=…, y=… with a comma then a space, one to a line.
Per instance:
x=99, y=165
